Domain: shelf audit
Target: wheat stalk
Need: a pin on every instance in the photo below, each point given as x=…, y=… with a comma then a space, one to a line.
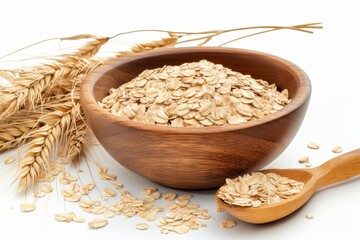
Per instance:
x=206, y=36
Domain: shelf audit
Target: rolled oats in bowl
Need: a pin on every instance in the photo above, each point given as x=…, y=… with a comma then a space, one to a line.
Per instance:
x=195, y=94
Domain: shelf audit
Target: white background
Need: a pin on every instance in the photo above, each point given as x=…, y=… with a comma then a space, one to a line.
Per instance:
x=330, y=57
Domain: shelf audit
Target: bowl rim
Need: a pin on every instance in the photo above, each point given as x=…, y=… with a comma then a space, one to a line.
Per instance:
x=88, y=84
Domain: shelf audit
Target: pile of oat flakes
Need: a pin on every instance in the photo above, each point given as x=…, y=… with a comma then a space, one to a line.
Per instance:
x=194, y=94
x=256, y=189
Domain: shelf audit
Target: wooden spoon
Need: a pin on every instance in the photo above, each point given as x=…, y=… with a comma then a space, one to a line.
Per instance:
x=333, y=171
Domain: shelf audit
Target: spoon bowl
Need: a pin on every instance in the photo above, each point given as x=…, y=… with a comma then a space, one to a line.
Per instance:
x=333, y=171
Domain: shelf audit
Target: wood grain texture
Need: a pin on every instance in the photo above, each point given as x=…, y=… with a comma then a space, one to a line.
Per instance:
x=196, y=158
x=335, y=170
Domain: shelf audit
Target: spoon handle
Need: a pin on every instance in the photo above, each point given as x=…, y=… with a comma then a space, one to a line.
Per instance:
x=338, y=169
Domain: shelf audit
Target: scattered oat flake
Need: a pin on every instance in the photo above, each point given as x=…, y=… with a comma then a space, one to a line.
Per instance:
x=75, y=187
x=304, y=160
x=98, y=210
x=228, y=223
x=337, y=149
x=98, y=223
x=46, y=188
x=108, y=192
x=181, y=229
x=27, y=207
x=313, y=146
x=186, y=196
x=309, y=216
x=118, y=185
x=79, y=219
x=61, y=218
x=108, y=214
x=107, y=176
x=9, y=160
x=67, y=217
x=170, y=196
x=84, y=190
x=73, y=198
x=219, y=209
x=164, y=231
x=96, y=203
x=142, y=226
x=150, y=217
x=90, y=186
x=67, y=193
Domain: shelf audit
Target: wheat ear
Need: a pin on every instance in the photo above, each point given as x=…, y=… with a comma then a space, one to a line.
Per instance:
x=162, y=43
x=29, y=87
x=91, y=48
x=76, y=139
x=34, y=163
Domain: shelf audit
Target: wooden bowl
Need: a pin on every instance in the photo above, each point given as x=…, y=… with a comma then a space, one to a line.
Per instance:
x=196, y=158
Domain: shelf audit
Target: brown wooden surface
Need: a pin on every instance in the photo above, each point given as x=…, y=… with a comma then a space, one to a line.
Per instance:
x=196, y=158
x=335, y=170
